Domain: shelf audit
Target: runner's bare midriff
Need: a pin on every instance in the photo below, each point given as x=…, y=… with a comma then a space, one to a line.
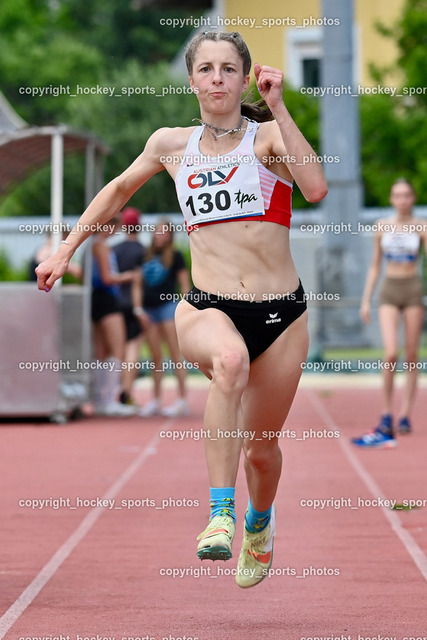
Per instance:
x=243, y=257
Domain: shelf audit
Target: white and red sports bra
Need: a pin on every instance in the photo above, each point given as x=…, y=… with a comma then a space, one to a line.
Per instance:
x=235, y=186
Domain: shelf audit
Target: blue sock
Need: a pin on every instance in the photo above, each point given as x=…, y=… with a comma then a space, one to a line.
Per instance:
x=222, y=502
x=256, y=521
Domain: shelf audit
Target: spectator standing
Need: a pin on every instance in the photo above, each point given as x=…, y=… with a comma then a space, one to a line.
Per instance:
x=129, y=255
x=163, y=273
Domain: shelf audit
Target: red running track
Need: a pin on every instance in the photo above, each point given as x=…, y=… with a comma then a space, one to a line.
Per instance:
x=348, y=568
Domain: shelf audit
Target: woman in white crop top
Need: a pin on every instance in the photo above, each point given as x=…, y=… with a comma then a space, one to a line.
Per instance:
x=245, y=323
x=398, y=240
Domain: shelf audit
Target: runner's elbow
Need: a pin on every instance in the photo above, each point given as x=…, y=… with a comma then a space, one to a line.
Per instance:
x=316, y=192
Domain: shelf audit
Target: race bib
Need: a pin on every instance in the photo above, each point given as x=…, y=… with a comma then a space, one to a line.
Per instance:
x=225, y=188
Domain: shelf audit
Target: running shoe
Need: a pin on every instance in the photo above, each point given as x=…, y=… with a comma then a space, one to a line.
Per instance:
x=377, y=439
x=115, y=409
x=216, y=540
x=404, y=426
x=380, y=438
x=256, y=554
x=178, y=408
x=152, y=408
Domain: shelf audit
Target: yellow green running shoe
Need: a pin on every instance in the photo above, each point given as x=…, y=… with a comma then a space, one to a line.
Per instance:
x=256, y=555
x=216, y=540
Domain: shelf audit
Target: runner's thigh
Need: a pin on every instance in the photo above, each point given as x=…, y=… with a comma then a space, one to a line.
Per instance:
x=274, y=378
x=205, y=336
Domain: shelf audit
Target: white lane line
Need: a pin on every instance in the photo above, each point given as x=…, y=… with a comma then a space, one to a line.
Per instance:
x=9, y=618
x=408, y=541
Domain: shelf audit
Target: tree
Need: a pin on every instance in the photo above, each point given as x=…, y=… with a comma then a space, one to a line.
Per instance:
x=410, y=34
x=75, y=44
x=394, y=129
x=37, y=52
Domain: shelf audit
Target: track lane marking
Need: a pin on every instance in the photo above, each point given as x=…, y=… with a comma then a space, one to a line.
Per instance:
x=14, y=612
x=403, y=534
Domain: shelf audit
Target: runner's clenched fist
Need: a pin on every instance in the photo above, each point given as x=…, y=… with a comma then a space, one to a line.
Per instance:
x=270, y=85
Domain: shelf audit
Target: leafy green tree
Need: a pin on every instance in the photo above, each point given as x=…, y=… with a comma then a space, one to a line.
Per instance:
x=75, y=43
x=130, y=29
x=37, y=51
x=410, y=34
x=392, y=146
x=394, y=129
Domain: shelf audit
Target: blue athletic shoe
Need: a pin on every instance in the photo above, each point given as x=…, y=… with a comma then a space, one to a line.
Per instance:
x=381, y=438
x=404, y=426
x=376, y=439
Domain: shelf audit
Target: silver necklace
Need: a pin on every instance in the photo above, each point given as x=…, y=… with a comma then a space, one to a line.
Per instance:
x=216, y=130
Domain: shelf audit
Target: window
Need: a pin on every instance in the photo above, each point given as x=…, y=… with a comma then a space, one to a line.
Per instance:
x=304, y=51
x=311, y=72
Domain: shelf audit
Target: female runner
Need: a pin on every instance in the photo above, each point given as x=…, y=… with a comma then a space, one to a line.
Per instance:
x=245, y=323
x=399, y=240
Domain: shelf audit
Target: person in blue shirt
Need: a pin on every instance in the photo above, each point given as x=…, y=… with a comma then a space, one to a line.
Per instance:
x=164, y=279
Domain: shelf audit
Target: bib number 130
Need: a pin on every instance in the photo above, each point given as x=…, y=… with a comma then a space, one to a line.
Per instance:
x=205, y=203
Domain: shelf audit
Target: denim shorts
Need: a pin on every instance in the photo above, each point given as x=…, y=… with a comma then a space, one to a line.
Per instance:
x=163, y=312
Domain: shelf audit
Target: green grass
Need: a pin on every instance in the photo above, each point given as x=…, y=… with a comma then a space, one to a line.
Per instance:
x=363, y=354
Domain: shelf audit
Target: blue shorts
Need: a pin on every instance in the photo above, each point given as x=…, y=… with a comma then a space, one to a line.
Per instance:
x=163, y=312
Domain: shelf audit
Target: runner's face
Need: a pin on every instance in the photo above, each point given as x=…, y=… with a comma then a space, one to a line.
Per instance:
x=217, y=77
x=402, y=198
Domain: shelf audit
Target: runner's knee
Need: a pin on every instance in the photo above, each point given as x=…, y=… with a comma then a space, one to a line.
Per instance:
x=390, y=356
x=231, y=369
x=411, y=355
x=261, y=457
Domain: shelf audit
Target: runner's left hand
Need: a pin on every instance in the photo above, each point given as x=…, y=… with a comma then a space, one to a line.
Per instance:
x=270, y=85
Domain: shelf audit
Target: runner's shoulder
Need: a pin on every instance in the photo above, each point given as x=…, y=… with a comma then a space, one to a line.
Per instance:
x=267, y=129
x=169, y=140
x=270, y=139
